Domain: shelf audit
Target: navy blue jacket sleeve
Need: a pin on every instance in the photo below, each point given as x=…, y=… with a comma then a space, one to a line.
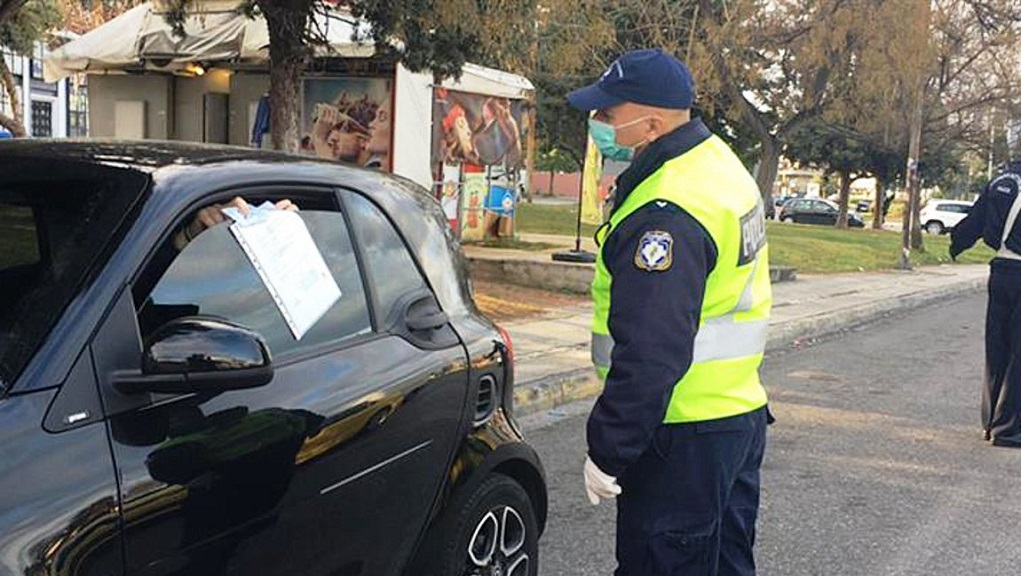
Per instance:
x=654, y=316
x=968, y=231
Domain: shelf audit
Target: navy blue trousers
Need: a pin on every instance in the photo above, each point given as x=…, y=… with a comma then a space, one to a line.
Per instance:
x=688, y=506
x=1001, y=400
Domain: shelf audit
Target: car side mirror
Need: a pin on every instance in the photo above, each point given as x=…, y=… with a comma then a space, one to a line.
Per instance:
x=202, y=355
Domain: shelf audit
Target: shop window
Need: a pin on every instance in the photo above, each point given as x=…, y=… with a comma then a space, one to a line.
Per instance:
x=78, y=109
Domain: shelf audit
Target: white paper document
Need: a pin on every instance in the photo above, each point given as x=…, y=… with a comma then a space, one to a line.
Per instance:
x=281, y=249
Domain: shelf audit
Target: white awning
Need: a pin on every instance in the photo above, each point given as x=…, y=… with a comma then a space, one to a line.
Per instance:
x=491, y=82
x=141, y=39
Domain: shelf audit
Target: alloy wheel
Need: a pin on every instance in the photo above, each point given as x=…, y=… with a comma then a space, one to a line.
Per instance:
x=497, y=546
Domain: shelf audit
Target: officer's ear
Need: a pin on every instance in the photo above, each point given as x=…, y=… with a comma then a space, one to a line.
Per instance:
x=657, y=127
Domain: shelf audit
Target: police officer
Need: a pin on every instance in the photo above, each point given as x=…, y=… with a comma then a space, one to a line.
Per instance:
x=994, y=218
x=682, y=299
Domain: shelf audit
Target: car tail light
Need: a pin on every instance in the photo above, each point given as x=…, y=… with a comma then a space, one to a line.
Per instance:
x=505, y=335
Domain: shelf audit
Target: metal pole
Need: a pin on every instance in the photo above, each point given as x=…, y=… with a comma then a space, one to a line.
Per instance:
x=576, y=255
x=577, y=228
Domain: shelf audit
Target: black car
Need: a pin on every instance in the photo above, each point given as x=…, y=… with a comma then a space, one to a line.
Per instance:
x=158, y=414
x=816, y=211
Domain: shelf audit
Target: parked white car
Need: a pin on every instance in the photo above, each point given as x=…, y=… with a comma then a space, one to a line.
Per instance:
x=939, y=216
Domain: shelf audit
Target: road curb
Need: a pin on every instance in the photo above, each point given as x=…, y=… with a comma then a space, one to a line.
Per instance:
x=548, y=392
x=562, y=276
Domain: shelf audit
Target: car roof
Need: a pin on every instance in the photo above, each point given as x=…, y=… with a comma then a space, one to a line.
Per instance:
x=171, y=164
x=815, y=198
x=143, y=155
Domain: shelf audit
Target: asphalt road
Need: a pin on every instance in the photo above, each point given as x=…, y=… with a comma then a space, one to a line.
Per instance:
x=876, y=465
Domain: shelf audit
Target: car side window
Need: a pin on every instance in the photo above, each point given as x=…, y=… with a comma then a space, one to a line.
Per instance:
x=212, y=275
x=391, y=268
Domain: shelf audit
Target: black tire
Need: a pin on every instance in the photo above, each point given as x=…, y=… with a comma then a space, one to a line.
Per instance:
x=467, y=520
x=934, y=227
x=787, y=219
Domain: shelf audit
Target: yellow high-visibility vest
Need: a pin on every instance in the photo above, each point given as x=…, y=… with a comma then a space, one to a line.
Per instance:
x=709, y=183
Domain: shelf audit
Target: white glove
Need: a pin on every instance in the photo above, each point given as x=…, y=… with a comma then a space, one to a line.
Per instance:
x=599, y=484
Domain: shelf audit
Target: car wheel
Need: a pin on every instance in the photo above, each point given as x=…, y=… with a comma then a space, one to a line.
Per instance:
x=787, y=219
x=934, y=227
x=490, y=531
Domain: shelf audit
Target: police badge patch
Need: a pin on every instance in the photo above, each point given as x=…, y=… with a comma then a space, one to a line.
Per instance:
x=655, y=251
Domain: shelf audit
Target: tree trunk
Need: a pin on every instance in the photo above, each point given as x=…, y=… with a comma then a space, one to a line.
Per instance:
x=287, y=23
x=769, y=164
x=844, y=198
x=15, y=125
x=914, y=153
x=912, y=234
x=549, y=189
x=917, y=243
x=877, y=206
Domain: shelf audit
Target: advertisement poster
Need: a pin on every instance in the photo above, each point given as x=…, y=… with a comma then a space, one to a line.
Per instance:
x=473, y=197
x=450, y=200
x=500, y=200
x=348, y=120
x=477, y=129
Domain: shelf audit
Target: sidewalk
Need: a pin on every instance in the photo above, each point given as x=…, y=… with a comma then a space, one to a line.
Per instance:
x=552, y=352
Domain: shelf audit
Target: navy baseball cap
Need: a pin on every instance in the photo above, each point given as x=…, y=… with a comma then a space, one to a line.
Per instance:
x=648, y=76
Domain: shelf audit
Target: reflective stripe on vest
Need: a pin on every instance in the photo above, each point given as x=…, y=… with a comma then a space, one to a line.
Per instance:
x=717, y=339
x=720, y=338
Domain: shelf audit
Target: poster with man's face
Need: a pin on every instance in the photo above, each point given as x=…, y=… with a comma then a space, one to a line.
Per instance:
x=348, y=120
x=477, y=129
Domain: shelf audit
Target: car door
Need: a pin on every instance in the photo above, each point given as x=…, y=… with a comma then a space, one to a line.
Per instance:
x=823, y=213
x=803, y=212
x=793, y=208
x=955, y=213
x=329, y=469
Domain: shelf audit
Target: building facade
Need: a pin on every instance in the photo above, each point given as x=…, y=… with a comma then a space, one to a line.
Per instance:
x=51, y=110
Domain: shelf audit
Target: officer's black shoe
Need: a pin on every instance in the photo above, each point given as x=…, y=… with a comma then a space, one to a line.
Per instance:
x=1007, y=442
x=987, y=435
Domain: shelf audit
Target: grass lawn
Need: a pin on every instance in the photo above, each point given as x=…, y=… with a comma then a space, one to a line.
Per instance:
x=823, y=249
x=807, y=248
x=550, y=219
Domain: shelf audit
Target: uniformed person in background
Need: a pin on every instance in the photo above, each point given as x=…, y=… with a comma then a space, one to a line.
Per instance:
x=994, y=218
x=682, y=299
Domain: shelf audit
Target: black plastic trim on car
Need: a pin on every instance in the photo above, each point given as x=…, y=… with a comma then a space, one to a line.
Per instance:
x=487, y=399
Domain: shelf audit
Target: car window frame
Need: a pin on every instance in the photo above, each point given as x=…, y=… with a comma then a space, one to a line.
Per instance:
x=379, y=318
x=54, y=359
x=275, y=190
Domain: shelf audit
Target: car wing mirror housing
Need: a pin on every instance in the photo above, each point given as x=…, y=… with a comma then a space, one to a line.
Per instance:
x=200, y=354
